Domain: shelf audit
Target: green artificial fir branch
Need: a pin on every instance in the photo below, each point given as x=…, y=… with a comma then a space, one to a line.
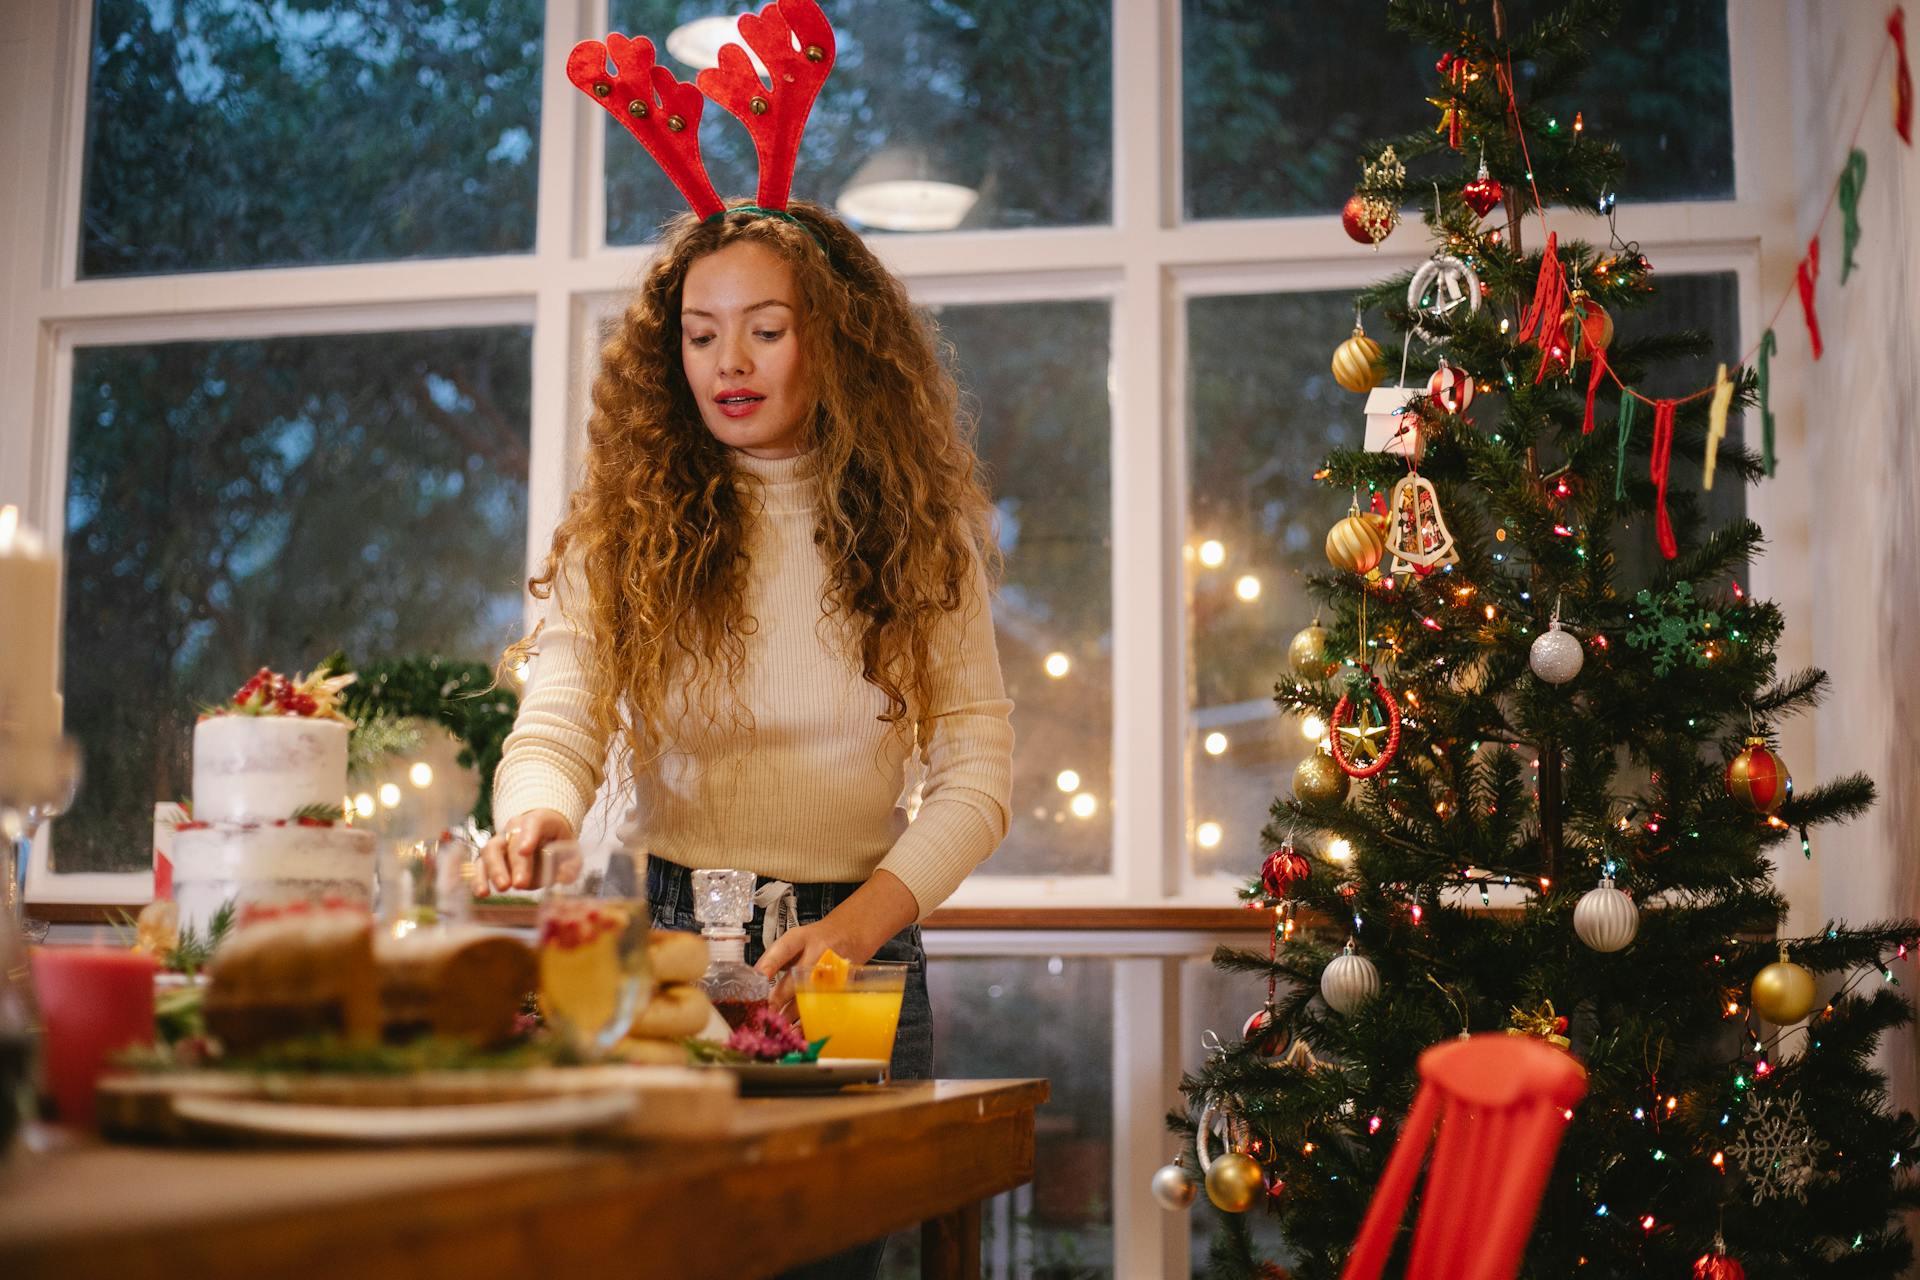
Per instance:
x=462, y=696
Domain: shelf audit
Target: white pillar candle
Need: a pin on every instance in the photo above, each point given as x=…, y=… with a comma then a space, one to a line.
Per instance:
x=29, y=623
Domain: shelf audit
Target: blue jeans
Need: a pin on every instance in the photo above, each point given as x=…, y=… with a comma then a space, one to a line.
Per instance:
x=670, y=895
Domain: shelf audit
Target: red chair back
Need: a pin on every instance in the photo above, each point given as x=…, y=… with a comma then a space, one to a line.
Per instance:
x=1500, y=1104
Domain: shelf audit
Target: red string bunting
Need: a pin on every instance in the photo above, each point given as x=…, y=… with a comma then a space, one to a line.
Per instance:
x=1657, y=467
x=1902, y=76
x=1593, y=385
x=1808, y=272
x=1549, y=296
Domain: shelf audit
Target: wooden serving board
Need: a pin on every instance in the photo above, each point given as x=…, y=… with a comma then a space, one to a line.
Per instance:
x=668, y=1102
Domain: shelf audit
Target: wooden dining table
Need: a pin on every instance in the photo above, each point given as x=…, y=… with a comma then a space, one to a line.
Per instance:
x=789, y=1180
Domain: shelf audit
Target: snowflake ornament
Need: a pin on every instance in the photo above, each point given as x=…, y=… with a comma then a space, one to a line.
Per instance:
x=1777, y=1151
x=1674, y=626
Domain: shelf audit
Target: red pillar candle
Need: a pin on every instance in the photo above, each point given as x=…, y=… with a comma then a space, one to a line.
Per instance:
x=94, y=1002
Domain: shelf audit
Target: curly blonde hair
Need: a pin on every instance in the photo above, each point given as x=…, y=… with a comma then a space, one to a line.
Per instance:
x=657, y=528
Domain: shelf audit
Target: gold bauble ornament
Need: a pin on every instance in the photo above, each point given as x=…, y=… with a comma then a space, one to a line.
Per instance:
x=1307, y=655
x=1357, y=542
x=1234, y=1182
x=1318, y=782
x=1783, y=992
x=1357, y=363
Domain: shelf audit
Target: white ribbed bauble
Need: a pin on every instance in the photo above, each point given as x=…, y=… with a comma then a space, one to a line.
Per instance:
x=1349, y=981
x=1557, y=655
x=1606, y=918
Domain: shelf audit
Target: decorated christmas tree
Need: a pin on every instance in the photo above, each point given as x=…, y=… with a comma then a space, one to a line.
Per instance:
x=1550, y=792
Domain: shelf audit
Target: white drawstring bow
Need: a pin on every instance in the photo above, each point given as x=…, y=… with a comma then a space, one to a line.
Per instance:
x=782, y=908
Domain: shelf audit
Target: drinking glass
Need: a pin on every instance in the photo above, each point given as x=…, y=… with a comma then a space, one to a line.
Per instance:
x=19, y=1021
x=423, y=884
x=855, y=1010
x=595, y=978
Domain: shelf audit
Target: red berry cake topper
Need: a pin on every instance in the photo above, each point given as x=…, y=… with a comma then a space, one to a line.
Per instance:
x=268, y=693
x=793, y=41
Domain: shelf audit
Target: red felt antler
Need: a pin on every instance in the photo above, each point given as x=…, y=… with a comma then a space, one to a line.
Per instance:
x=795, y=44
x=659, y=110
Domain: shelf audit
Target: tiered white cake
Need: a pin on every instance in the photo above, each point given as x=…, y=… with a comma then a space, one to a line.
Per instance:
x=260, y=784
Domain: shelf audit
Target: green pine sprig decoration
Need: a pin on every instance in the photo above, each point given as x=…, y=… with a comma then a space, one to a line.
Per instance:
x=463, y=696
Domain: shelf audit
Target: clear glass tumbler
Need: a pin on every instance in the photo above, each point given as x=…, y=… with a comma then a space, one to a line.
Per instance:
x=856, y=1010
x=595, y=977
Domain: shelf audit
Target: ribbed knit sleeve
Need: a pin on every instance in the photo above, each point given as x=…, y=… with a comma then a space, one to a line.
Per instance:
x=553, y=759
x=966, y=742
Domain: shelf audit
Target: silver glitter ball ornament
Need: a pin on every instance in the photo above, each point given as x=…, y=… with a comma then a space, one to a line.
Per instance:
x=1557, y=655
x=1173, y=1187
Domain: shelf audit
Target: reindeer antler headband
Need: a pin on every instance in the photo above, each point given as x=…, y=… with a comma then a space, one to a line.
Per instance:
x=795, y=44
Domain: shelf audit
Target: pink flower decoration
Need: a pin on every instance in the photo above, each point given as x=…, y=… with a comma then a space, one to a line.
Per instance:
x=767, y=1036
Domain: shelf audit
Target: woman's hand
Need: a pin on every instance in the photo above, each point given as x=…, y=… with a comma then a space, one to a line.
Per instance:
x=507, y=861
x=855, y=929
x=801, y=948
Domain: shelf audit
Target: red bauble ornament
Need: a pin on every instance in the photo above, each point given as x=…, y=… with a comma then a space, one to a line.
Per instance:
x=1369, y=218
x=1265, y=1034
x=1344, y=727
x=1483, y=193
x=1757, y=777
x=1450, y=388
x=1717, y=1265
x=1282, y=870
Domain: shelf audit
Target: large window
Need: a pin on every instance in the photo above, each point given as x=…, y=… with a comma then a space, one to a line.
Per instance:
x=1035, y=376
x=1264, y=408
x=310, y=295
x=265, y=502
x=961, y=94
x=1273, y=122
x=222, y=136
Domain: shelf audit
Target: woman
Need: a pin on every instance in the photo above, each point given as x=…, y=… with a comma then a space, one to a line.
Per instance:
x=770, y=597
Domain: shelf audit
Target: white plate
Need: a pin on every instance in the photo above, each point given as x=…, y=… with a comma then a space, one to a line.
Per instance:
x=471, y=1122
x=823, y=1076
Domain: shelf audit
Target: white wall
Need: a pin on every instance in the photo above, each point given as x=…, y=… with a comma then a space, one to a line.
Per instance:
x=1862, y=460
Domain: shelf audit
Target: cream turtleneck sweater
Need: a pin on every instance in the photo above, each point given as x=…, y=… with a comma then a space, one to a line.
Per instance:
x=808, y=785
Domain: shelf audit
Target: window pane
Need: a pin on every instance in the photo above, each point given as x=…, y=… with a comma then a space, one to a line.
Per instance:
x=232, y=505
x=1020, y=1017
x=1264, y=411
x=1221, y=1003
x=1709, y=304
x=1264, y=416
x=1036, y=374
x=958, y=93
x=223, y=135
x=1285, y=72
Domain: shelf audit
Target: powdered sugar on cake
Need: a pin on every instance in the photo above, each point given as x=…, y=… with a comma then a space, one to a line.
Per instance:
x=253, y=768
x=269, y=784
